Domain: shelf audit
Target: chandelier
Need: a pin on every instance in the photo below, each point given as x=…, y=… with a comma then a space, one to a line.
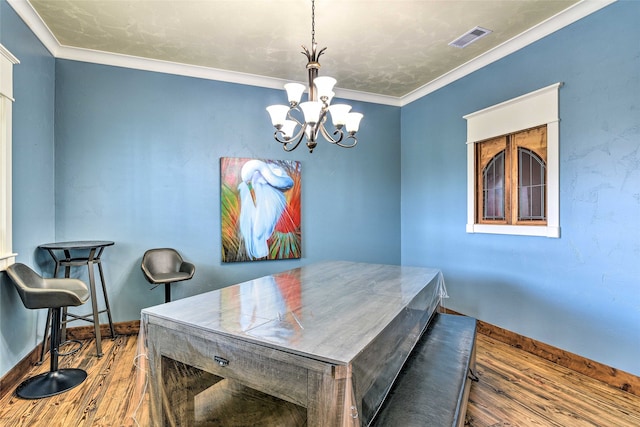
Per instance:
x=308, y=119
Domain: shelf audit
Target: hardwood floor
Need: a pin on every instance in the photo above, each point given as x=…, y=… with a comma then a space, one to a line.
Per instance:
x=520, y=389
x=515, y=388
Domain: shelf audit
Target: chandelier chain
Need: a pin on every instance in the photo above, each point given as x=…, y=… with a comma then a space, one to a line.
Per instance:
x=313, y=22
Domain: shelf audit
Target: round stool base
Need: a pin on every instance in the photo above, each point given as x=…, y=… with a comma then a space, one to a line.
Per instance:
x=50, y=383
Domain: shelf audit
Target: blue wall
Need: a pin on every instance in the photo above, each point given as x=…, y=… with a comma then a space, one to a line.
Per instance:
x=579, y=292
x=137, y=162
x=33, y=179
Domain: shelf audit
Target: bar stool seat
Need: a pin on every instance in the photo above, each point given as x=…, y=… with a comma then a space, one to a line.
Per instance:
x=54, y=294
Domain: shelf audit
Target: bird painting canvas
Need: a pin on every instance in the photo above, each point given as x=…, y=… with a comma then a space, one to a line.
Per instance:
x=260, y=209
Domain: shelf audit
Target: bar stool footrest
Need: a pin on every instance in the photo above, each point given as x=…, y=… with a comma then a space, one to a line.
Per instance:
x=79, y=344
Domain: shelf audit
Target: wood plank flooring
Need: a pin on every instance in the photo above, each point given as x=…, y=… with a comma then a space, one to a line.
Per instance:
x=515, y=388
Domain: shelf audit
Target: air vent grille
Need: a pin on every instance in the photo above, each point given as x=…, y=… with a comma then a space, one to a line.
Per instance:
x=469, y=37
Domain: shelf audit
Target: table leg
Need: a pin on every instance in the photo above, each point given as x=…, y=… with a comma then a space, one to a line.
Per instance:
x=331, y=400
x=106, y=299
x=181, y=383
x=172, y=385
x=94, y=306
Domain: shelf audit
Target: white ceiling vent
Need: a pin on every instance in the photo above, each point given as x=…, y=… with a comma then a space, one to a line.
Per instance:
x=469, y=37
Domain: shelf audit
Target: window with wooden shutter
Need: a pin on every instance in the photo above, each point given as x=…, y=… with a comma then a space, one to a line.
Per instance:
x=513, y=166
x=511, y=178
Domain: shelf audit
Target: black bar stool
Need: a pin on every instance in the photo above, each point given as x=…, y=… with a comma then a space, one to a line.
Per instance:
x=165, y=266
x=54, y=294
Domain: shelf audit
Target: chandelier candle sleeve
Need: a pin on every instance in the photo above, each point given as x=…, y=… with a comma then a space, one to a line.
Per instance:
x=312, y=111
x=339, y=114
x=288, y=128
x=353, y=122
x=278, y=114
x=307, y=119
x=294, y=92
x=324, y=85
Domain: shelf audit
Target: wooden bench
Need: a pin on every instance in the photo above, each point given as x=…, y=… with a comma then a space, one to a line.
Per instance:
x=433, y=387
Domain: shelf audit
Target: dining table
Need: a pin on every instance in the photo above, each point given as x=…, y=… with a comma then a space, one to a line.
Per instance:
x=318, y=345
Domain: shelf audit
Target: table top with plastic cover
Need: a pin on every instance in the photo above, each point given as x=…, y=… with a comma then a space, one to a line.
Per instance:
x=365, y=318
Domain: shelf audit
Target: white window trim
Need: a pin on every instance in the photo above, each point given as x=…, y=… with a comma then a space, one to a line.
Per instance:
x=7, y=60
x=524, y=112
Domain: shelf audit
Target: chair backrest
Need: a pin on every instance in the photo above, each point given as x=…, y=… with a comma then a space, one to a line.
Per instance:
x=161, y=261
x=25, y=279
x=38, y=292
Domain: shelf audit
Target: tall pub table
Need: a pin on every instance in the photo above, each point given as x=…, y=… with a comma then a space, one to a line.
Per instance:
x=80, y=253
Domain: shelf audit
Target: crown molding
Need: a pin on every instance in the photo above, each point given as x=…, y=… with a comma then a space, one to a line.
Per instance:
x=545, y=28
x=155, y=65
x=28, y=14
x=578, y=11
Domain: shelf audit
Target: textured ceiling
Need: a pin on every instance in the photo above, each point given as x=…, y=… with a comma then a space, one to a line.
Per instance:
x=388, y=47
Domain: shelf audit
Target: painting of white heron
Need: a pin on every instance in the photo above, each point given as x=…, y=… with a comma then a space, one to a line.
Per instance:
x=260, y=209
